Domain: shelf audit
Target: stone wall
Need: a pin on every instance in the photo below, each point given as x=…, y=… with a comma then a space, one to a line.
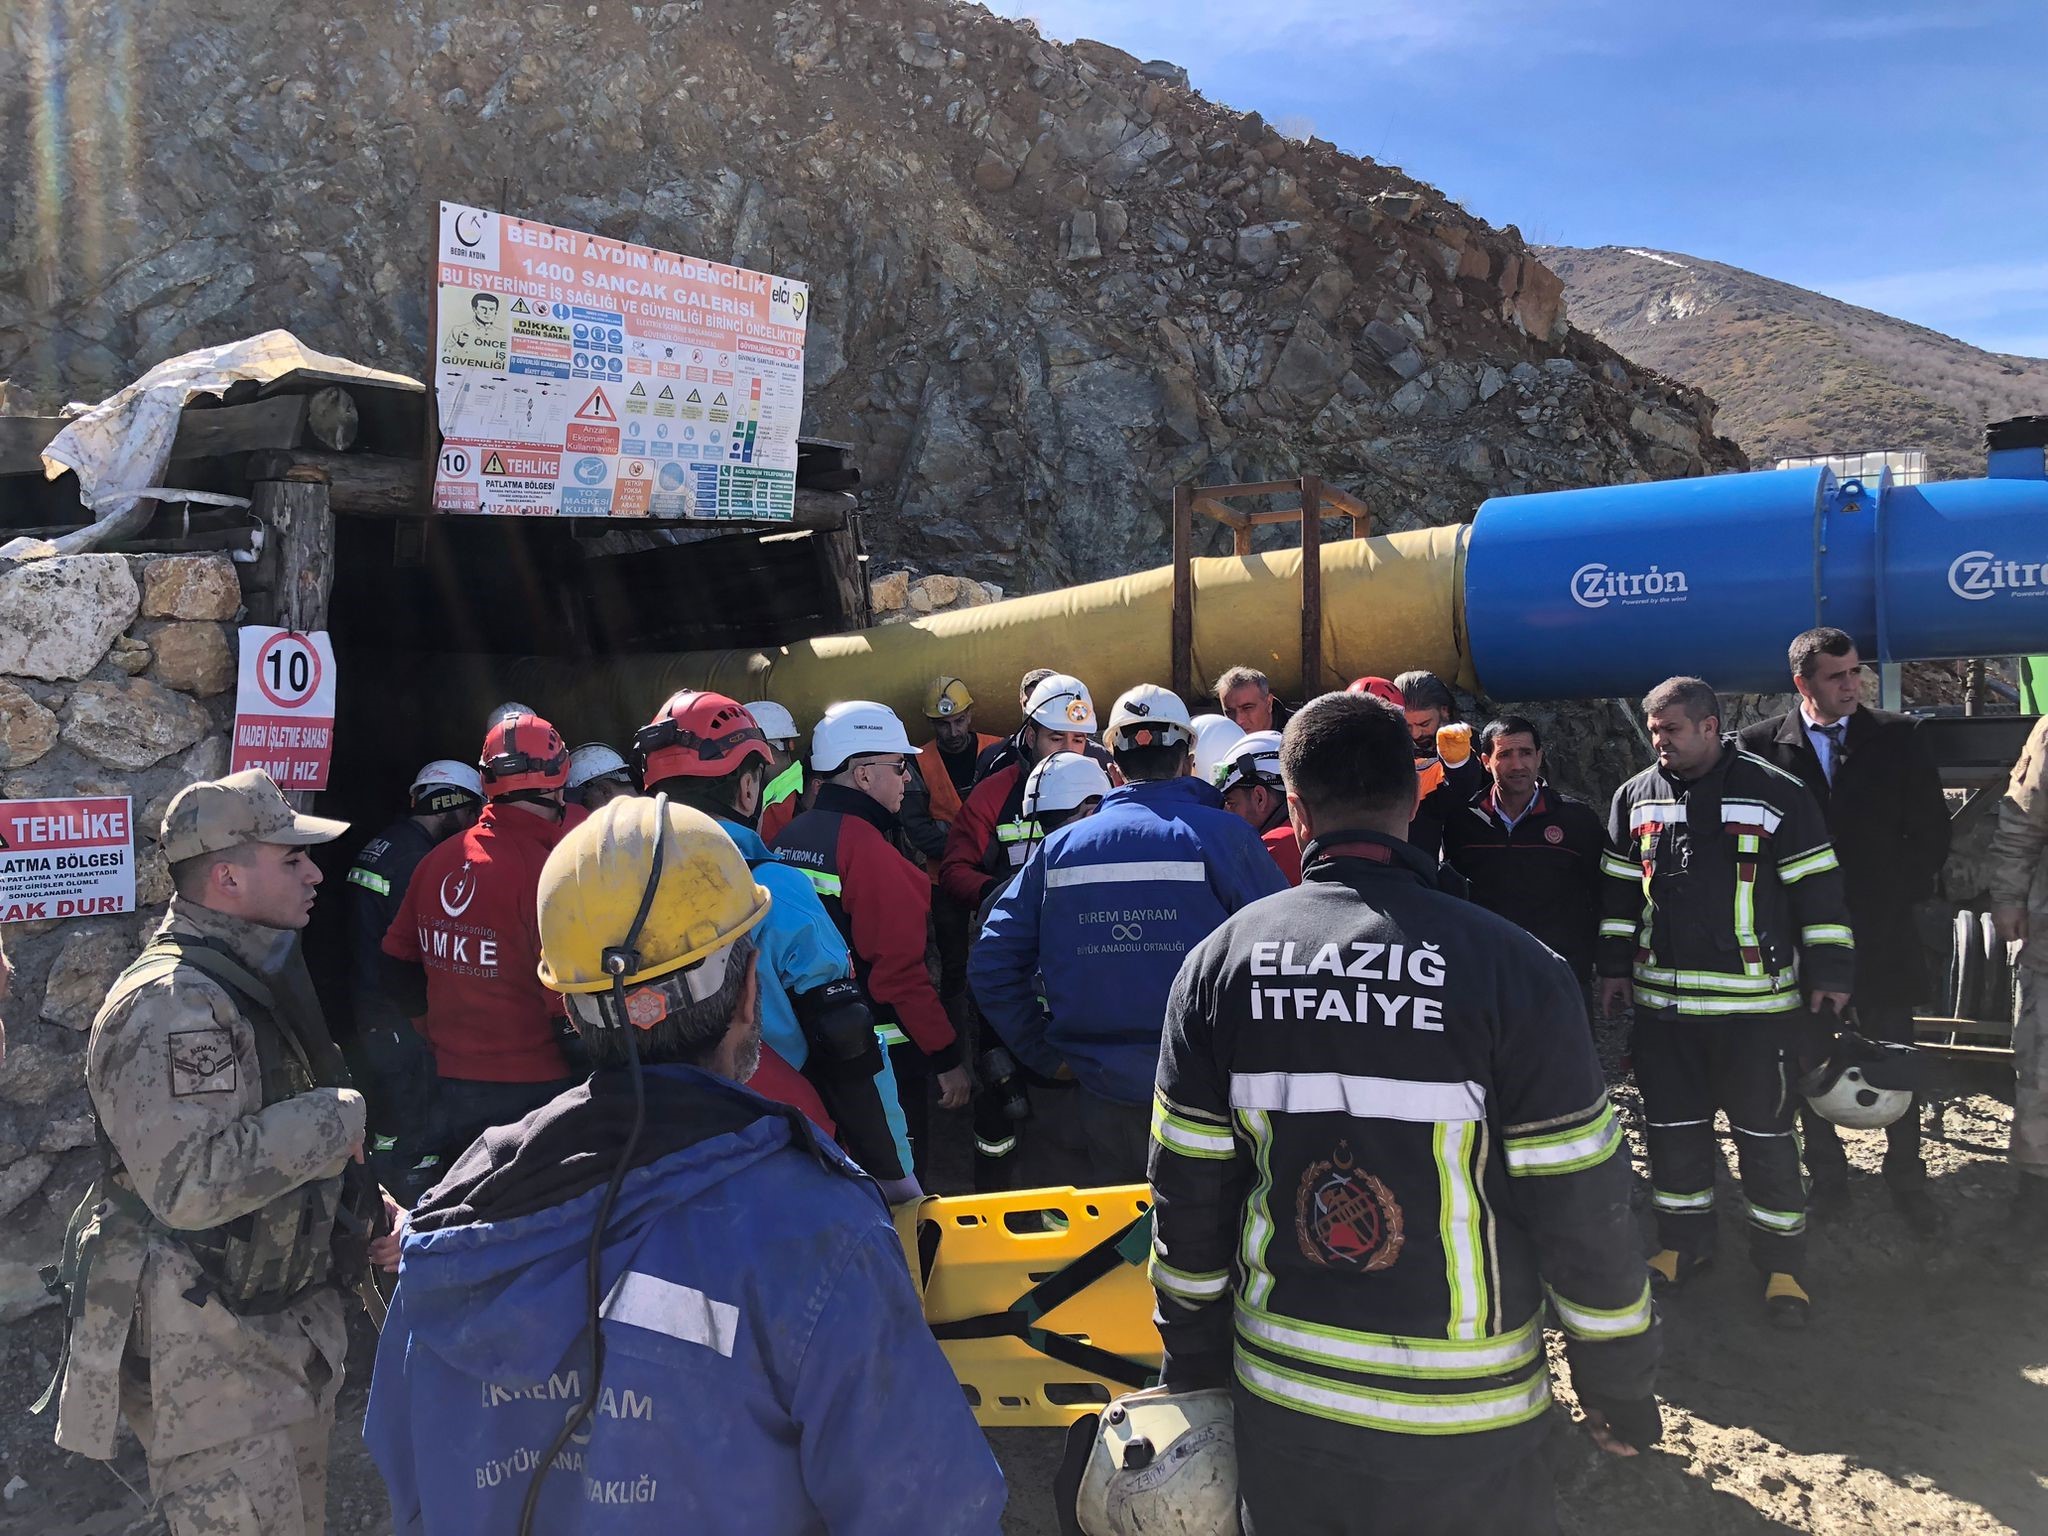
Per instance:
x=117, y=677
x=899, y=596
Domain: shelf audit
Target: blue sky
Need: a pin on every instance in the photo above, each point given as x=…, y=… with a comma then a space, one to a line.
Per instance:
x=1894, y=155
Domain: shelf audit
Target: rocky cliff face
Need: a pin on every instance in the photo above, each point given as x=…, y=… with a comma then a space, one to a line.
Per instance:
x=1050, y=281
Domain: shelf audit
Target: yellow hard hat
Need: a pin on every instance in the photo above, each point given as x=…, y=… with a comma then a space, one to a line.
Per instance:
x=946, y=697
x=595, y=880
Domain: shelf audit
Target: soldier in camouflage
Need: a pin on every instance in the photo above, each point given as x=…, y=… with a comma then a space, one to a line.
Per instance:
x=201, y=1285
x=2019, y=896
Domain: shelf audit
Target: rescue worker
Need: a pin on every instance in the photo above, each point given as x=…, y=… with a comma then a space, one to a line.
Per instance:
x=1451, y=775
x=880, y=902
x=1245, y=695
x=820, y=1051
x=987, y=841
x=445, y=799
x=945, y=766
x=1888, y=820
x=1725, y=925
x=202, y=1266
x=780, y=799
x=1002, y=753
x=1104, y=913
x=463, y=946
x=766, y=1366
x=1064, y=787
x=598, y=776
x=2019, y=892
x=1380, y=1139
x=1249, y=779
x=1214, y=737
x=1528, y=852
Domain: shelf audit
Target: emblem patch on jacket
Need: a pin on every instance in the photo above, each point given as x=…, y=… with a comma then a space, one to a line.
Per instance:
x=202, y=1061
x=1344, y=1218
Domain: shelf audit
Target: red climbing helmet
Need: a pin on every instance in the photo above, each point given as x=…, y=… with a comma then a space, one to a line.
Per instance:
x=698, y=736
x=1380, y=688
x=522, y=754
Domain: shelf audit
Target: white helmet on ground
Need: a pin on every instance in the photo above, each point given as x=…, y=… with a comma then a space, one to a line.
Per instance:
x=1864, y=1084
x=1148, y=716
x=595, y=760
x=776, y=723
x=1215, y=735
x=1254, y=760
x=1163, y=1464
x=445, y=785
x=1061, y=703
x=1063, y=781
x=856, y=729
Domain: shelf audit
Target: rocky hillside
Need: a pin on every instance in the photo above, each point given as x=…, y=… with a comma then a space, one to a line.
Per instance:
x=1795, y=372
x=1049, y=281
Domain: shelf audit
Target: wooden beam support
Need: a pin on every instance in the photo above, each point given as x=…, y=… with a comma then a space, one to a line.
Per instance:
x=1183, y=590
x=276, y=423
x=300, y=553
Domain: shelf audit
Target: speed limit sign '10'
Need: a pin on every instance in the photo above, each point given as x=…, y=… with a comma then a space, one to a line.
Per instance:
x=284, y=706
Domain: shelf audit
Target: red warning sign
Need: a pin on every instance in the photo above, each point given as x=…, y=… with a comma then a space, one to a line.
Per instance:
x=597, y=408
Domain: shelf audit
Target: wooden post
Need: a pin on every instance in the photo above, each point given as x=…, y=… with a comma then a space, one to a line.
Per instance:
x=1311, y=586
x=1183, y=590
x=301, y=553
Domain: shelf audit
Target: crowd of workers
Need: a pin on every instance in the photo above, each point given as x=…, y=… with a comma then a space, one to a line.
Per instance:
x=1327, y=980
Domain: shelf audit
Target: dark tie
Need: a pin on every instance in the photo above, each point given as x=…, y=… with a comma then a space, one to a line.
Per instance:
x=1834, y=735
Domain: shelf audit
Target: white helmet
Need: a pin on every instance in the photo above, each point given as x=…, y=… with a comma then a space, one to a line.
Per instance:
x=443, y=784
x=1864, y=1084
x=1215, y=735
x=506, y=711
x=1254, y=760
x=1062, y=782
x=776, y=723
x=1148, y=716
x=854, y=729
x=595, y=760
x=1061, y=703
x=1163, y=1464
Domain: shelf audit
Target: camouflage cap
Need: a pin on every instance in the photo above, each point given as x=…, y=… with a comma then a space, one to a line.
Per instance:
x=244, y=807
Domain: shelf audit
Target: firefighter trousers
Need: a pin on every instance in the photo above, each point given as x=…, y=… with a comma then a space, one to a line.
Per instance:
x=1687, y=1069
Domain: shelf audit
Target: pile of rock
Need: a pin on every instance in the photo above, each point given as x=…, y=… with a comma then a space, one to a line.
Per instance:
x=899, y=597
x=116, y=678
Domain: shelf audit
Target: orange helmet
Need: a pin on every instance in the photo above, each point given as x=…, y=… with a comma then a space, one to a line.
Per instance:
x=523, y=754
x=1380, y=688
x=699, y=736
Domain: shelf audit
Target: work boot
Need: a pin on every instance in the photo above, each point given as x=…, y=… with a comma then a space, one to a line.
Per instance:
x=1670, y=1270
x=1917, y=1209
x=1786, y=1301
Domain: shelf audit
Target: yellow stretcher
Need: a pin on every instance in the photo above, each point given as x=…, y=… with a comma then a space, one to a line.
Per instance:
x=1038, y=1297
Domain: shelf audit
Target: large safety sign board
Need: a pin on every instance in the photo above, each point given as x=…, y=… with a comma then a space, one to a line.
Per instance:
x=73, y=857
x=578, y=376
x=284, y=706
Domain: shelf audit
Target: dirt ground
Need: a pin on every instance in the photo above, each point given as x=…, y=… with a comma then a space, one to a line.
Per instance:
x=1918, y=1401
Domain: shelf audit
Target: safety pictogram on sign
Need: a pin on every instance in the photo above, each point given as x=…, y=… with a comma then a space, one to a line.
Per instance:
x=597, y=408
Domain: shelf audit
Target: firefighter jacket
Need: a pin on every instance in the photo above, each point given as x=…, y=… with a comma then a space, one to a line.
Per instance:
x=1105, y=913
x=1543, y=873
x=1724, y=895
x=1380, y=1141
x=882, y=904
x=2019, y=848
x=470, y=918
x=767, y=1365
x=375, y=890
x=224, y=1141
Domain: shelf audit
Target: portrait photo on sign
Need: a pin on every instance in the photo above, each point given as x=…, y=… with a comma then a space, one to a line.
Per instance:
x=473, y=329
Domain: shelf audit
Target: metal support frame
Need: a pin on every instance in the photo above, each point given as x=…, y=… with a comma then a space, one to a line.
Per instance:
x=1314, y=502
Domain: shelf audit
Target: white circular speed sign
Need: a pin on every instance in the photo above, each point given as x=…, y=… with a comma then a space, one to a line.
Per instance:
x=288, y=670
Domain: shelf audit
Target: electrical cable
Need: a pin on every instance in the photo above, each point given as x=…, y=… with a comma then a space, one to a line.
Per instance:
x=619, y=961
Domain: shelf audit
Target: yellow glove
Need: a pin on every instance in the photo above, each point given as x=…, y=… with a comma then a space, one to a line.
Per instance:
x=1453, y=744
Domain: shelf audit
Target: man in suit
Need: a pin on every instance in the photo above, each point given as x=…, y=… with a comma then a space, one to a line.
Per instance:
x=1889, y=823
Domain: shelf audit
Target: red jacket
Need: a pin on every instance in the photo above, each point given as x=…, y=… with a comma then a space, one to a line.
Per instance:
x=882, y=903
x=1285, y=850
x=971, y=858
x=469, y=919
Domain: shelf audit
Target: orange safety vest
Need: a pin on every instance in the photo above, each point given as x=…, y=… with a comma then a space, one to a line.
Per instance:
x=945, y=798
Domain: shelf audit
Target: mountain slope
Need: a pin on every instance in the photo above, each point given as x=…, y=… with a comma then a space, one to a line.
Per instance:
x=1795, y=372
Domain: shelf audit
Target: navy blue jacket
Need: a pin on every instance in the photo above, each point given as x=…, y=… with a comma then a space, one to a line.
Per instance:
x=1105, y=911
